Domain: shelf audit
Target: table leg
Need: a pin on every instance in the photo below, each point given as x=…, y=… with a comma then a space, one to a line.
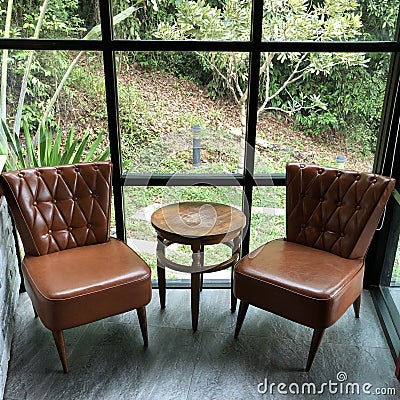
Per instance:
x=161, y=273
x=195, y=292
x=195, y=284
x=235, y=249
x=202, y=263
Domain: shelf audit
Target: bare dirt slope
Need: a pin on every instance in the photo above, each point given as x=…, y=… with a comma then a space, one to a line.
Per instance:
x=277, y=133
x=166, y=100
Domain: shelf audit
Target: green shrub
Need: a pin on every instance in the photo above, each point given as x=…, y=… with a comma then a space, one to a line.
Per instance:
x=50, y=150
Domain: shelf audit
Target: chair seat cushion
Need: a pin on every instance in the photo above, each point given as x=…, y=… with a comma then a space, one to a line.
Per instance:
x=306, y=285
x=80, y=285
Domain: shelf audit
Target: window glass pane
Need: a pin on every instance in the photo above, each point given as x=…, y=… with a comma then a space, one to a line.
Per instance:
x=181, y=118
x=71, y=19
x=394, y=285
x=268, y=215
x=396, y=268
x=69, y=104
x=184, y=20
x=320, y=108
x=141, y=202
x=342, y=21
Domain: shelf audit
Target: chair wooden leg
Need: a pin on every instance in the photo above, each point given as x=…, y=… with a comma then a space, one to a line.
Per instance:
x=397, y=373
x=315, y=342
x=141, y=313
x=233, y=298
x=356, y=306
x=161, y=285
x=240, y=318
x=60, y=344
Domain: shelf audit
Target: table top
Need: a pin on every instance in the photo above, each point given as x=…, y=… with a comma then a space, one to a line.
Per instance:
x=198, y=220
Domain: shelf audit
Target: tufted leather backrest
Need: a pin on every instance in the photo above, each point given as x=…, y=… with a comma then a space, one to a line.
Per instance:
x=58, y=208
x=334, y=210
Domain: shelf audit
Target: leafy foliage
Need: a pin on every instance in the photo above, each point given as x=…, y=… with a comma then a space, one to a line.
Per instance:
x=62, y=19
x=290, y=20
x=283, y=21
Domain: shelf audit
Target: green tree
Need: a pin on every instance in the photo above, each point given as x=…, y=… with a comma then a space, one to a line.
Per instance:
x=21, y=153
x=290, y=20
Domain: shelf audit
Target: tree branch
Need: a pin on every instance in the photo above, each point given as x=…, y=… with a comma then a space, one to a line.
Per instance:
x=294, y=76
x=225, y=78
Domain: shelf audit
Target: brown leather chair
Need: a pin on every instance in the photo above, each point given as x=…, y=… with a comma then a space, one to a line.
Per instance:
x=74, y=272
x=316, y=273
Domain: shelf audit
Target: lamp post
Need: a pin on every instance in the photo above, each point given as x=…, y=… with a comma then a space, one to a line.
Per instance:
x=196, y=130
x=340, y=161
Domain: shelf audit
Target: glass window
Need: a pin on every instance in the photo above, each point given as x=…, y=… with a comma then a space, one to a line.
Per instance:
x=185, y=20
x=57, y=20
x=322, y=108
x=396, y=269
x=342, y=21
x=172, y=120
x=59, y=99
x=268, y=215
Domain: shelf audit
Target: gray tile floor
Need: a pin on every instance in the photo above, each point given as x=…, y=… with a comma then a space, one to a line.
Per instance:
x=107, y=359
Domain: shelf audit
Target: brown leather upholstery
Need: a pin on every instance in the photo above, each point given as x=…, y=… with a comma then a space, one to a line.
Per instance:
x=335, y=211
x=314, y=275
x=58, y=208
x=73, y=272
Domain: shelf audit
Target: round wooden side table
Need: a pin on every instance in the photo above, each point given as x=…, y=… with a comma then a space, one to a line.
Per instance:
x=196, y=224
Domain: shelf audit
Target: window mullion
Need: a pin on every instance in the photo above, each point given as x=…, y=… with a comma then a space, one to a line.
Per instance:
x=110, y=78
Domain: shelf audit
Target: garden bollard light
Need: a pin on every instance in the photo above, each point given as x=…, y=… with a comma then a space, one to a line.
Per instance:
x=196, y=130
x=340, y=161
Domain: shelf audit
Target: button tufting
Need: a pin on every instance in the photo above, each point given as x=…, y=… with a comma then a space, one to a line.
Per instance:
x=70, y=228
x=358, y=207
x=322, y=230
x=302, y=226
x=21, y=174
x=35, y=203
x=37, y=173
x=89, y=225
x=341, y=234
x=58, y=171
x=75, y=198
x=339, y=203
x=321, y=199
x=76, y=169
x=302, y=165
x=54, y=201
x=50, y=231
x=338, y=174
x=358, y=177
x=95, y=167
x=374, y=180
x=320, y=171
